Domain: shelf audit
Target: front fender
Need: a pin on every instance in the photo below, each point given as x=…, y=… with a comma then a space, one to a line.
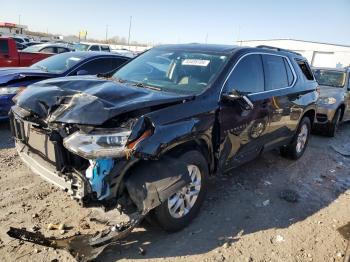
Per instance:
x=168, y=136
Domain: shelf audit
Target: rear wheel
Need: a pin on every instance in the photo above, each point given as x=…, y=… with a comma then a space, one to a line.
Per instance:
x=333, y=126
x=182, y=207
x=300, y=141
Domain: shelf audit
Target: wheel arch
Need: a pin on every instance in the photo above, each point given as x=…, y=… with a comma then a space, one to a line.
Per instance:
x=201, y=145
x=311, y=114
x=342, y=108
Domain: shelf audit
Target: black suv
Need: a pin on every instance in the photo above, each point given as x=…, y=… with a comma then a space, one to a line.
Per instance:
x=149, y=137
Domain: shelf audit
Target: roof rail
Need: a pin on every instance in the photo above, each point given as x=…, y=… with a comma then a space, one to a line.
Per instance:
x=277, y=49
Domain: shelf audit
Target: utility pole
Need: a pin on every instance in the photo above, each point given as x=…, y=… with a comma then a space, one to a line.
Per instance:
x=129, y=32
x=106, y=33
x=19, y=19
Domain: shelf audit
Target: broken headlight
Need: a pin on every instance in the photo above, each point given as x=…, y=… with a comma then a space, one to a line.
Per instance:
x=98, y=144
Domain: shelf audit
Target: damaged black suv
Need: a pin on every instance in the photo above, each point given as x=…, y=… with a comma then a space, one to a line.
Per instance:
x=146, y=139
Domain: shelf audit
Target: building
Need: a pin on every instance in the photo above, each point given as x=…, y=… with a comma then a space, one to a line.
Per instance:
x=318, y=54
x=11, y=28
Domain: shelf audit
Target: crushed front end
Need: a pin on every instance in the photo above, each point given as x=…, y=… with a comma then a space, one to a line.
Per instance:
x=83, y=161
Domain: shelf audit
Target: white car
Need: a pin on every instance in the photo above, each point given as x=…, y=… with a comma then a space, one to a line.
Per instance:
x=84, y=46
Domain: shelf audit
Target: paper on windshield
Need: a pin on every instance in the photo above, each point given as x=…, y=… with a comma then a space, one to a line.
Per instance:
x=195, y=62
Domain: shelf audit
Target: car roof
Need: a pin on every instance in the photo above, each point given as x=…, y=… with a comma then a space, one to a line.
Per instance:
x=89, y=43
x=226, y=49
x=199, y=47
x=52, y=45
x=89, y=54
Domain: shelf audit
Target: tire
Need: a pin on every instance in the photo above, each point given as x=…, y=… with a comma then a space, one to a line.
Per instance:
x=295, y=150
x=333, y=126
x=162, y=214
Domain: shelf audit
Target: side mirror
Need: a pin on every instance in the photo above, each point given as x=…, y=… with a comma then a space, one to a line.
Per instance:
x=242, y=100
x=82, y=73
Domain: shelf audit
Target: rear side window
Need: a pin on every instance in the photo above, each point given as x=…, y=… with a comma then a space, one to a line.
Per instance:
x=275, y=72
x=101, y=65
x=48, y=50
x=61, y=50
x=289, y=72
x=305, y=68
x=4, y=47
x=248, y=76
x=105, y=48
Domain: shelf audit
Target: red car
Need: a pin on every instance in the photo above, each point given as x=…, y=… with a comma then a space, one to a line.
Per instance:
x=10, y=56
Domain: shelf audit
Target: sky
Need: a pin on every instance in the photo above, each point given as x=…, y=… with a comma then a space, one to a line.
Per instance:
x=184, y=21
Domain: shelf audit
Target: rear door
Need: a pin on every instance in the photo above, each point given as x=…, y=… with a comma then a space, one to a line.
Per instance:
x=243, y=133
x=279, y=81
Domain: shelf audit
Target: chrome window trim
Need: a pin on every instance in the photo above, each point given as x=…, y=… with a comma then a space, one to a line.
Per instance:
x=267, y=91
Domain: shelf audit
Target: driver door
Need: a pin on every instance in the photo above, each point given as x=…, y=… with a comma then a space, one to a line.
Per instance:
x=243, y=133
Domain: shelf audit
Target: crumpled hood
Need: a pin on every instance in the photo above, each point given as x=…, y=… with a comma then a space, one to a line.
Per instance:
x=328, y=91
x=14, y=73
x=88, y=100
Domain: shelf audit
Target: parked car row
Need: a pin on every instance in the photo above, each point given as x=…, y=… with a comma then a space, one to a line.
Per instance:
x=147, y=133
x=15, y=79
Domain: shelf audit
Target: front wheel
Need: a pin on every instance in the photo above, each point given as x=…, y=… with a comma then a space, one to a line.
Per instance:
x=182, y=207
x=300, y=141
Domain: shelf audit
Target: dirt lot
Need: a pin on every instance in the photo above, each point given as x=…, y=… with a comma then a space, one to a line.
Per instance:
x=243, y=219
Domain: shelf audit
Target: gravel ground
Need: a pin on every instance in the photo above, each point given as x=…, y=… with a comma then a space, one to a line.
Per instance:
x=243, y=219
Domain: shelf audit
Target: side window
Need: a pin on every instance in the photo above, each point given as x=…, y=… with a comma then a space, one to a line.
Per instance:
x=48, y=50
x=94, y=48
x=105, y=48
x=61, y=50
x=98, y=66
x=275, y=72
x=305, y=68
x=117, y=62
x=4, y=47
x=289, y=72
x=248, y=76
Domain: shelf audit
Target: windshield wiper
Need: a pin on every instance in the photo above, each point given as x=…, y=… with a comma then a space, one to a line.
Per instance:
x=139, y=84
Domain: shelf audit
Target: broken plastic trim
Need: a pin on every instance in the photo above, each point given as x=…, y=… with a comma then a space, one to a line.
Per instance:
x=81, y=247
x=96, y=173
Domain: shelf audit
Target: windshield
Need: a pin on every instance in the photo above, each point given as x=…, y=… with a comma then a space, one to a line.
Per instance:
x=173, y=71
x=58, y=63
x=80, y=47
x=330, y=77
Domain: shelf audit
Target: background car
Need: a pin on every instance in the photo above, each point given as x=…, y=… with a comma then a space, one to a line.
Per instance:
x=333, y=106
x=10, y=55
x=48, y=48
x=84, y=46
x=13, y=80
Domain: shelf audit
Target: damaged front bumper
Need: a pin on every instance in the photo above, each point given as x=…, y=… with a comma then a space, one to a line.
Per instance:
x=73, y=183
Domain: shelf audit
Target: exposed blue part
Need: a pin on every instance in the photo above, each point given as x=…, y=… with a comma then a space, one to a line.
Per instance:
x=96, y=173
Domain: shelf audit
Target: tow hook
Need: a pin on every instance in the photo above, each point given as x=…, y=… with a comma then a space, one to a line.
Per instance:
x=82, y=247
